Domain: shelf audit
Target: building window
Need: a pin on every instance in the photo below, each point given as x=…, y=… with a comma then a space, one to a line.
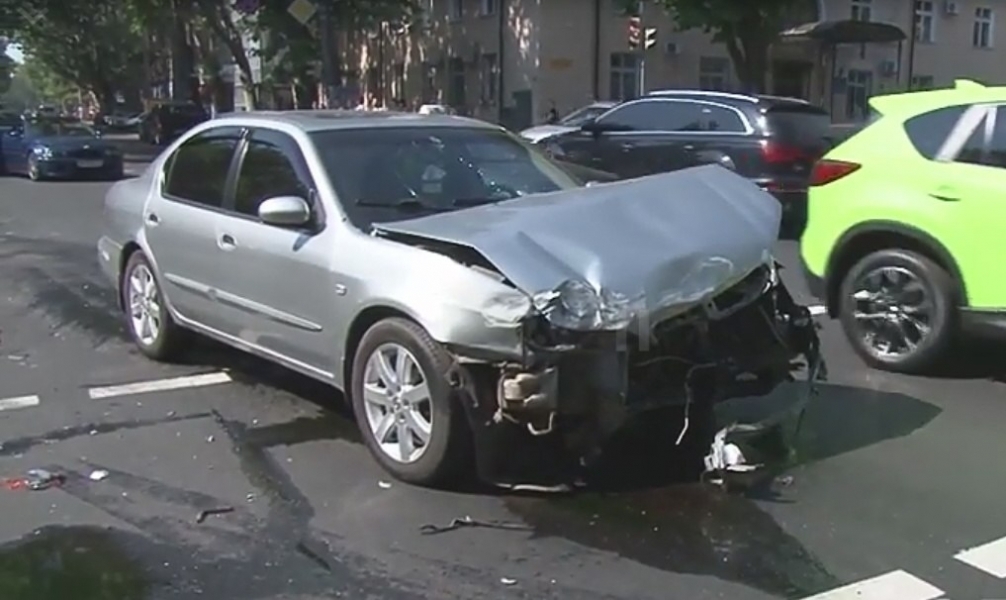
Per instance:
x=982, y=33
x=455, y=10
x=922, y=82
x=488, y=7
x=861, y=10
x=714, y=73
x=925, y=21
x=625, y=72
x=489, y=71
x=858, y=89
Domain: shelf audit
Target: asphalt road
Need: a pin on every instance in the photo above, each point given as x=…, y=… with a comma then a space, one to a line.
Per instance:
x=896, y=475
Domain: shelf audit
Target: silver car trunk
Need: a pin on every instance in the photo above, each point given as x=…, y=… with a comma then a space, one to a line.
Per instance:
x=665, y=240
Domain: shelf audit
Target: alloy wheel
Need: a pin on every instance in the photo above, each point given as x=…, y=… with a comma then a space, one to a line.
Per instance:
x=893, y=312
x=145, y=309
x=396, y=398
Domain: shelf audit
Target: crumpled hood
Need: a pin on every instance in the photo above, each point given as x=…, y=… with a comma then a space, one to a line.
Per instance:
x=662, y=240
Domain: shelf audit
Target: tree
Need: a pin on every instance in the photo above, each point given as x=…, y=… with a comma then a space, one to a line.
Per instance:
x=746, y=27
x=94, y=47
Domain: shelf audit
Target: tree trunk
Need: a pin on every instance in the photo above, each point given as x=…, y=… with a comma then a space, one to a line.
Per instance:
x=748, y=48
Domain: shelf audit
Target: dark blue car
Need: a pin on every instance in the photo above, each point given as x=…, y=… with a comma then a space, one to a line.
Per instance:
x=50, y=149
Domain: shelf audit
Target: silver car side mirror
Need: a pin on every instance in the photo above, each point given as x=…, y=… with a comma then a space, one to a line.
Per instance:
x=285, y=211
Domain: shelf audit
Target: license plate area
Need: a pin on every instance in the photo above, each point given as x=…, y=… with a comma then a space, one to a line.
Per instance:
x=90, y=164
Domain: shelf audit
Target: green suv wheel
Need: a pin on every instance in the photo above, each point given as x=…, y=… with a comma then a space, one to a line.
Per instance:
x=898, y=310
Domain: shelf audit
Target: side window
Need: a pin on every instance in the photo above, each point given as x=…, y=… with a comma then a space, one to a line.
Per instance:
x=717, y=118
x=198, y=170
x=997, y=143
x=633, y=117
x=973, y=151
x=928, y=131
x=272, y=166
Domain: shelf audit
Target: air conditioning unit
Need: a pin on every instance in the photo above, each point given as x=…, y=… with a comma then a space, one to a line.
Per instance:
x=671, y=48
x=888, y=68
x=951, y=8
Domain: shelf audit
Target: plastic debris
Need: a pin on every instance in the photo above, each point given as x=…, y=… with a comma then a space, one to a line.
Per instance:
x=35, y=480
x=470, y=522
x=213, y=511
x=98, y=475
x=384, y=485
x=508, y=581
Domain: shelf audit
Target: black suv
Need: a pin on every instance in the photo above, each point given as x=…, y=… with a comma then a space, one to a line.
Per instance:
x=771, y=140
x=166, y=121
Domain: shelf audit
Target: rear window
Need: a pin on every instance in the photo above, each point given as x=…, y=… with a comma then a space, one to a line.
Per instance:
x=928, y=131
x=799, y=124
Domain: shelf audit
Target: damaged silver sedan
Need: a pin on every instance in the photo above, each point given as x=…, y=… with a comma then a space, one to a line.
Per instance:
x=477, y=303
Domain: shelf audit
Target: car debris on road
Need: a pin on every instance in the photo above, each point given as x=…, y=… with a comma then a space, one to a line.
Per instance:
x=466, y=521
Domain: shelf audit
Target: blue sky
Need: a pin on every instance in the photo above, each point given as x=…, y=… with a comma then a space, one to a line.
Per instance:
x=15, y=53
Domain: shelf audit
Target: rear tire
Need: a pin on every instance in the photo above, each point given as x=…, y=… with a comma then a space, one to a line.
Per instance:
x=899, y=315
x=447, y=451
x=142, y=297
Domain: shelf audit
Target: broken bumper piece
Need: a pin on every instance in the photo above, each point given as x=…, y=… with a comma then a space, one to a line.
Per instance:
x=548, y=418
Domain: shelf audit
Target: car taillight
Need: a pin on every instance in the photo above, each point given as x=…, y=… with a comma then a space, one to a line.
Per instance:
x=826, y=171
x=776, y=153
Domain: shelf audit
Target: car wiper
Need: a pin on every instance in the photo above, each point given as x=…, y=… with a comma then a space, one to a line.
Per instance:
x=402, y=204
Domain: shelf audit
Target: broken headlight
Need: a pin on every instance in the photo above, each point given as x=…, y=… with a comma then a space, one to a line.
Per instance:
x=578, y=305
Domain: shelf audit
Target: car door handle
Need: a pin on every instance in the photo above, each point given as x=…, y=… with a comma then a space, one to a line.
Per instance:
x=153, y=220
x=227, y=242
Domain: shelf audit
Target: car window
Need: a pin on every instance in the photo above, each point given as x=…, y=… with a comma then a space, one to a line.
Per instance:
x=928, y=131
x=272, y=166
x=718, y=118
x=996, y=156
x=389, y=174
x=803, y=125
x=198, y=169
x=658, y=115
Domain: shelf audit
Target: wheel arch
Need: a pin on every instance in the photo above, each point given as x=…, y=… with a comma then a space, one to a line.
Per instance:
x=877, y=235
x=364, y=320
x=128, y=250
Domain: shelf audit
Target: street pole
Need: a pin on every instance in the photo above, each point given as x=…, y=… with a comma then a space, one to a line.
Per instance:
x=642, y=51
x=328, y=72
x=913, y=34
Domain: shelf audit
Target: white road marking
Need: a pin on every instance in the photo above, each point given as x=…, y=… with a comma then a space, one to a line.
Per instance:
x=990, y=557
x=817, y=310
x=18, y=402
x=159, y=385
x=896, y=584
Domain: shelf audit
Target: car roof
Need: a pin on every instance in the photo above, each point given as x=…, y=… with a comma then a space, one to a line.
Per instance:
x=964, y=91
x=762, y=101
x=325, y=120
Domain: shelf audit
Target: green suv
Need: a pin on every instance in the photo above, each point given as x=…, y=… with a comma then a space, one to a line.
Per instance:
x=904, y=219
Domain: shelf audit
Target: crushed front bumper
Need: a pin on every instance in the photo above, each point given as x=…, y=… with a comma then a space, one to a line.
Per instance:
x=547, y=421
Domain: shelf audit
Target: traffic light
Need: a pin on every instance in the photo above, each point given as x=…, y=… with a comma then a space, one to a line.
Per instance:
x=635, y=31
x=649, y=38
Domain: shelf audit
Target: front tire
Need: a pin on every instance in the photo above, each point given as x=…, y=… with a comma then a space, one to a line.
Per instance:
x=405, y=405
x=148, y=320
x=34, y=171
x=898, y=309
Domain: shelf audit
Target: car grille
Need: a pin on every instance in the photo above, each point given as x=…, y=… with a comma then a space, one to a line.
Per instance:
x=87, y=154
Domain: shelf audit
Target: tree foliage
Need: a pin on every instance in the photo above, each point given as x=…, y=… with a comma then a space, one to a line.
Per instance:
x=746, y=27
x=95, y=46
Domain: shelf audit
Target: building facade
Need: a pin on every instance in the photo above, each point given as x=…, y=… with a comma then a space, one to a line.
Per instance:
x=513, y=60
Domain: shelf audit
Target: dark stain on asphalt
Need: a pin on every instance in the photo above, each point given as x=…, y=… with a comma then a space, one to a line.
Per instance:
x=691, y=529
x=76, y=562
x=21, y=445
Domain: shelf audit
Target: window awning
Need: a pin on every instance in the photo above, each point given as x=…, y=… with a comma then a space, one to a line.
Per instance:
x=844, y=32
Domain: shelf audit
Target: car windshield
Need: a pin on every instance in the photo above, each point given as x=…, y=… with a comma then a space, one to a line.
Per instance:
x=580, y=116
x=390, y=174
x=58, y=129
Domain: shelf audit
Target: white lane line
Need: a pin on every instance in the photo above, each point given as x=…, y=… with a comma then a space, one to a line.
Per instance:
x=990, y=557
x=889, y=586
x=817, y=310
x=159, y=385
x=18, y=402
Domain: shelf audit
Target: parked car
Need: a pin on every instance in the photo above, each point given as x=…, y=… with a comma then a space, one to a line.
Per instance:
x=55, y=148
x=568, y=123
x=121, y=121
x=456, y=284
x=904, y=241
x=167, y=120
x=770, y=140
